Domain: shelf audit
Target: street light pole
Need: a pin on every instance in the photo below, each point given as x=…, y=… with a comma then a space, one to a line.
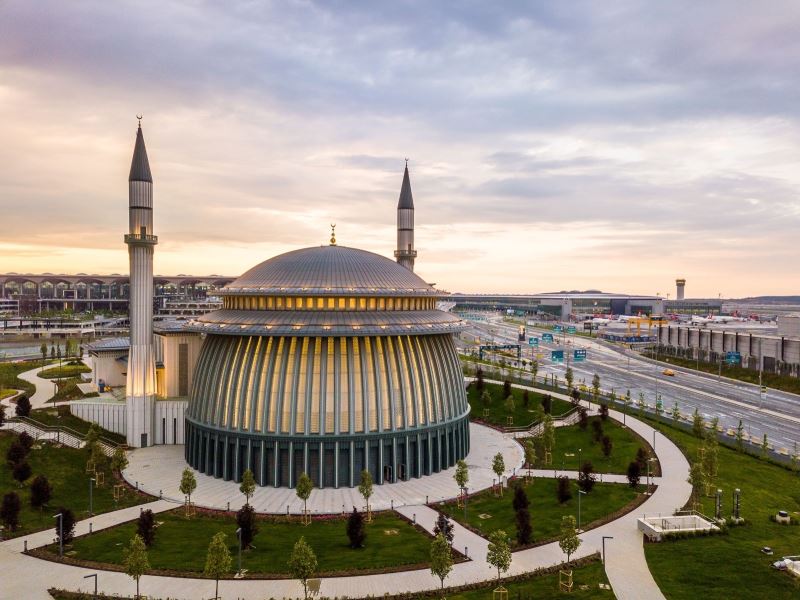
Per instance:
x=606, y=537
x=91, y=481
x=60, y=518
x=580, y=493
x=239, y=536
x=94, y=575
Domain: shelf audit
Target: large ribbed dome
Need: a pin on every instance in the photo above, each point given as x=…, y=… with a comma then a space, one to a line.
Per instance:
x=326, y=269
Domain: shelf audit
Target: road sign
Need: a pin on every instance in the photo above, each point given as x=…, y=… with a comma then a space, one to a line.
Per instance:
x=547, y=337
x=557, y=356
x=533, y=341
x=733, y=358
x=571, y=329
x=579, y=355
x=558, y=328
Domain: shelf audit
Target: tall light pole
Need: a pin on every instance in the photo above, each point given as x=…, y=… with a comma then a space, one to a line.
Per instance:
x=91, y=481
x=580, y=493
x=239, y=536
x=606, y=537
x=60, y=518
x=95, y=583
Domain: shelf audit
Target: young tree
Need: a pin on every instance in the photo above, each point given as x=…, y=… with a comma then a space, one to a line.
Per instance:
x=247, y=523
x=597, y=430
x=526, y=398
x=634, y=474
x=583, y=418
x=146, y=527
x=506, y=388
x=26, y=441
x=568, y=540
x=530, y=454
x=461, y=477
x=499, y=467
x=641, y=403
x=486, y=398
x=576, y=395
x=303, y=489
x=218, y=560
x=603, y=411
x=302, y=563
x=698, y=424
x=659, y=407
x=52, y=352
x=9, y=510
x=547, y=404
x=764, y=450
x=119, y=460
x=563, y=489
x=444, y=526
x=23, y=408
x=570, y=377
x=676, y=412
x=21, y=472
x=524, y=528
x=586, y=477
x=365, y=489
x=479, y=383
x=248, y=485
x=356, y=531
x=641, y=457
x=697, y=479
x=43, y=350
x=499, y=554
x=16, y=453
x=608, y=446
x=188, y=484
x=628, y=401
x=135, y=560
x=548, y=433
x=441, y=558
x=740, y=436
x=510, y=404
x=67, y=525
x=534, y=370
x=595, y=388
x=40, y=491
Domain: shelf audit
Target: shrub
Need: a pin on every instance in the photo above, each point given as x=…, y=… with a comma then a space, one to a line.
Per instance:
x=9, y=510
x=520, y=500
x=356, y=531
x=445, y=527
x=26, y=441
x=563, y=490
x=67, y=525
x=506, y=388
x=576, y=395
x=524, y=529
x=246, y=520
x=526, y=398
x=16, y=453
x=40, y=491
x=21, y=472
x=641, y=458
x=597, y=430
x=586, y=478
x=583, y=419
x=608, y=445
x=547, y=404
x=634, y=474
x=23, y=406
x=604, y=411
x=146, y=527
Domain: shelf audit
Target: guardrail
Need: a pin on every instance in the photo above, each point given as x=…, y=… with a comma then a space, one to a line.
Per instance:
x=61, y=434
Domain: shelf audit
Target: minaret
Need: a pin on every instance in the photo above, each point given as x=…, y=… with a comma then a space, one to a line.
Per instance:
x=405, y=253
x=141, y=382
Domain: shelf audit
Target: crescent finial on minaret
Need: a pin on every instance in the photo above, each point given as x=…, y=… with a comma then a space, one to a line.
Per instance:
x=139, y=117
x=333, y=234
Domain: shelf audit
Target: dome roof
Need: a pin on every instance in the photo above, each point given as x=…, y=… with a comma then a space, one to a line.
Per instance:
x=326, y=269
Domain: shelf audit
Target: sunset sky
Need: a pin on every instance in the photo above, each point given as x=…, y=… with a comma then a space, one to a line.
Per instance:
x=552, y=145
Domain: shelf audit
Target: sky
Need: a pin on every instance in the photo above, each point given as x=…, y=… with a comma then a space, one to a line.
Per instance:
x=552, y=146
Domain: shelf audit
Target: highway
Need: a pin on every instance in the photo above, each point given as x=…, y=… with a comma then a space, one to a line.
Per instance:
x=620, y=369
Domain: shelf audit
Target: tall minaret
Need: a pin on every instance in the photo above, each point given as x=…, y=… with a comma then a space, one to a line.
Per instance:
x=141, y=383
x=405, y=253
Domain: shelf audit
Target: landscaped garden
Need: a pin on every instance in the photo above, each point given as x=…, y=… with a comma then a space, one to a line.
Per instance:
x=65, y=471
x=494, y=397
x=9, y=375
x=68, y=370
x=60, y=416
x=487, y=511
x=181, y=543
x=624, y=446
x=733, y=565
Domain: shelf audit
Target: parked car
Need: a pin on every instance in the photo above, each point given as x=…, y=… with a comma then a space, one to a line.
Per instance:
x=669, y=372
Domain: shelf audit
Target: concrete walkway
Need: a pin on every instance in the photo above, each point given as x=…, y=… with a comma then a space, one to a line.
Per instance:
x=626, y=566
x=45, y=388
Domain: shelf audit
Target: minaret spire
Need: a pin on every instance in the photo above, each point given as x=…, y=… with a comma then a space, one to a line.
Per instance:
x=405, y=253
x=141, y=375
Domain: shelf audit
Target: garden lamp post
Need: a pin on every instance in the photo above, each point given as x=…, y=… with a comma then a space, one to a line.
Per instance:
x=580, y=493
x=239, y=536
x=60, y=518
x=94, y=575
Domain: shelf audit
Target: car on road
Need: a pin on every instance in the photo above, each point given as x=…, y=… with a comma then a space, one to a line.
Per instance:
x=669, y=372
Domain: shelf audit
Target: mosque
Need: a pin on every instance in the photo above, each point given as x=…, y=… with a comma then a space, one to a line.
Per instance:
x=326, y=360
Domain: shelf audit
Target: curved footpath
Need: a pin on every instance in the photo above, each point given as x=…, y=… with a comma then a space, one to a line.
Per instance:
x=626, y=566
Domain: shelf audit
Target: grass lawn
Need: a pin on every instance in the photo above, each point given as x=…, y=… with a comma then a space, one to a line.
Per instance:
x=4, y=393
x=61, y=417
x=9, y=372
x=67, y=390
x=785, y=383
x=544, y=508
x=64, y=371
x=181, y=543
x=623, y=452
x=586, y=580
x=728, y=566
x=65, y=470
x=498, y=412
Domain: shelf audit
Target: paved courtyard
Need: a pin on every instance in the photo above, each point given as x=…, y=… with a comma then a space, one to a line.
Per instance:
x=157, y=471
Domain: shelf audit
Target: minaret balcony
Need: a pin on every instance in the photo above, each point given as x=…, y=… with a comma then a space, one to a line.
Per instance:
x=141, y=238
x=405, y=254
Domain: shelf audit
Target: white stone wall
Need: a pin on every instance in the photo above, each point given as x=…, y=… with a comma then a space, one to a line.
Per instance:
x=109, y=369
x=168, y=421
x=168, y=353
x=106, y=413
